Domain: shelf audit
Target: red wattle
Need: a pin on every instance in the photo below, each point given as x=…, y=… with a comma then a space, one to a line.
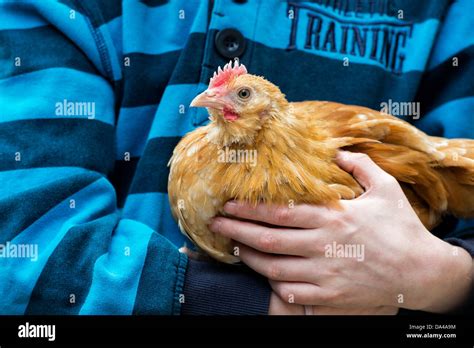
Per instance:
x=230, y=115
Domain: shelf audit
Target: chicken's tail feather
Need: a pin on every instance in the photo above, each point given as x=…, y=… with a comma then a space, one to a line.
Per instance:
x=457, y=168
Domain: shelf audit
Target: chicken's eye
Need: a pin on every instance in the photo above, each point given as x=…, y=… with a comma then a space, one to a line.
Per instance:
x=244, y=93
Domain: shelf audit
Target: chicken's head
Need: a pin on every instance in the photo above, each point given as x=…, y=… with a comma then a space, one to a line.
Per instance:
x=240, y=103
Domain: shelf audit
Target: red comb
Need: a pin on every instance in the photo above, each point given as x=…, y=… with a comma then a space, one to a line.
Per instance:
x=224, y=75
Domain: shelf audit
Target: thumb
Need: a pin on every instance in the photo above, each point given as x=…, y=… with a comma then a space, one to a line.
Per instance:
x=361, y=166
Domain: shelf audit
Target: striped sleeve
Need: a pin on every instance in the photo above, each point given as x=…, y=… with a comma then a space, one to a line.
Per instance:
x=446, y=94
x=64, y=247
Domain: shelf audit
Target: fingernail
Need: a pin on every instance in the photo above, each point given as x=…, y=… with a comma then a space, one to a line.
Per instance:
x=343, y=155
x=214, y=226
x=230, y=207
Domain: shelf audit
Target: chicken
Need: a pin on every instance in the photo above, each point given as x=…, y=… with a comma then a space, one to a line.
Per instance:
x=258, y=147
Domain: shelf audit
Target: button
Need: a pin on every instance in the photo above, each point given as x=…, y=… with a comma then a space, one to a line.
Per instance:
x=230, y=43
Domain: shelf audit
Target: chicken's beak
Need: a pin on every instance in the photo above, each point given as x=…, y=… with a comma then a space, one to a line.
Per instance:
x=208, y=99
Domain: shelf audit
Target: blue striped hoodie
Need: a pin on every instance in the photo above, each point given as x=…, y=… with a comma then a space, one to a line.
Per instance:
x=94, y=96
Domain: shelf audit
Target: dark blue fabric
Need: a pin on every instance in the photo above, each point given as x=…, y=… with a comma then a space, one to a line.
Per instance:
x=217, y=289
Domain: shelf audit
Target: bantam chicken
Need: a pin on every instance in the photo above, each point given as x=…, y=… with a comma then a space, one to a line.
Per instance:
x=258, y=147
